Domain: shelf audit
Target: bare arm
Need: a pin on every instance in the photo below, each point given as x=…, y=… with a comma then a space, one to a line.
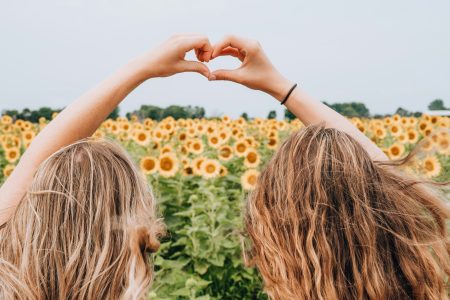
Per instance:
x=258, y=73
x=82, y=117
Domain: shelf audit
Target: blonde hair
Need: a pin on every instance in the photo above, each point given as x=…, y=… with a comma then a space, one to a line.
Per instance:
x=83, y=230
x=326, y=222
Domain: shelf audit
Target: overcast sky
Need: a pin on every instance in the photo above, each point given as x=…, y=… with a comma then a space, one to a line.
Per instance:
x=384, y=53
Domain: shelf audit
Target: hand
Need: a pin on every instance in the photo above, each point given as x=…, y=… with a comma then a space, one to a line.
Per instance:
x=168, y=58
x=256, y=71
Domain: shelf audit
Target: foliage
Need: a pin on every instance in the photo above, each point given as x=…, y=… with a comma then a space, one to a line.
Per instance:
x=437, y=104
x=272, y=114
x=31, y=115
x=288, y=115
x=175, y=111
x=350, y=109
x=201, y=257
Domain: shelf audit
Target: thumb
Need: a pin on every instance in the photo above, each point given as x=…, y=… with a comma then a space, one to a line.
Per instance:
x=195, y=66
x=230, y=75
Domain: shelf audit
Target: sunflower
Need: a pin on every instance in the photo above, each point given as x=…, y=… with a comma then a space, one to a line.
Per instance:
x=431, y=166
x=226, y=119
x=182, y=136
x=443, y=144
x=396, y=150
x=210, y=168
x=196, y=146
x=98, y=134
x=115, y=129
x=125, y=126
x=379, y=132
x=249, y=179
x=225, y=153
x=241, y=147
x=6, y=120
x=149, y=164
x=197, y=165
x=28, y=135
x=141, y=137
x=214, y=141
x=422, y=126
x=252, y=159
x=12, y=154
x=8, y=170
x=427, y=144
x=402, y=138
x=223, y=171
x=188, y=170
x=395, y=130
x=167, y=165
x=412, y=135
x=166, y=149
x=272, y=143
x=158, y=135
x=124, y=136
x=224, y=135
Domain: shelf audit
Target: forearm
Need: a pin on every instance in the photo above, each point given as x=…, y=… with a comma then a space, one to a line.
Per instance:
x=311, y=111
x=83, y=116
x=77, y=121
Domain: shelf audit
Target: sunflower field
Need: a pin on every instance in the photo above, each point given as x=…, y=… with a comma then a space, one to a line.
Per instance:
x=201, y=171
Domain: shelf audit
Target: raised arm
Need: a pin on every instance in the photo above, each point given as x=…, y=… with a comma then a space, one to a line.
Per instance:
x=257, y=72
x=81, y=118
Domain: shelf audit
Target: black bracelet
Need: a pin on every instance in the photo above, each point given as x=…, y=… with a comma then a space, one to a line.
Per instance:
x=288, y=94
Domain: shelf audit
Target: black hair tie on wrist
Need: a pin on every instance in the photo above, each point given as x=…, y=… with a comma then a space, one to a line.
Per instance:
x=288, y=94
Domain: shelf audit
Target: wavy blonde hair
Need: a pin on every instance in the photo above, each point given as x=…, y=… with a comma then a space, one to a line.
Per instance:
x=327, y=222
x=83, y=230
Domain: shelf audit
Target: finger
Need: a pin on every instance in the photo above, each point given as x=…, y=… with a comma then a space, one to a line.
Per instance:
x=195, y=66
x=229, y=51
x=200, y=43
x=230, y=75
x=229, y=41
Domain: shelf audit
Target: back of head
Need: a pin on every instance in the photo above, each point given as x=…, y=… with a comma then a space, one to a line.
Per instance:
x=83, y=230
x=326, y=222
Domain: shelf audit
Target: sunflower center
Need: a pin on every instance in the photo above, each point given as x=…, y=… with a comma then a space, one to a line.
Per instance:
x=429, y=166
x=166, y=164
x=240, y=148
x=149, y=164
x=210, y=168
x=252, y=179
x=395, y=151
x=252, y=157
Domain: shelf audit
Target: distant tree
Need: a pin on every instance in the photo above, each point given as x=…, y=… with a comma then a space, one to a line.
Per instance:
x=114, y=114
x=288, y=115
x=350, y=109
x=403, y=112
x=175, y=111
x=406, y=113
x=195, y=112
x=244, y=115
x=32, y=115
x=272, y=114
x=437, y=104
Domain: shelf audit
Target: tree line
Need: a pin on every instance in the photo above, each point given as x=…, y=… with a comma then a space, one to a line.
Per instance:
x=349, y=109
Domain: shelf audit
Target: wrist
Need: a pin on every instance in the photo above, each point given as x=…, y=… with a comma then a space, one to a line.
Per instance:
x=279, y=87
x=142, y=68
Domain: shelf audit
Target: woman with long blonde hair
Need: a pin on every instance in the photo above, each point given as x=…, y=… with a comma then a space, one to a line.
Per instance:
x=77, y=217
x=330, y=217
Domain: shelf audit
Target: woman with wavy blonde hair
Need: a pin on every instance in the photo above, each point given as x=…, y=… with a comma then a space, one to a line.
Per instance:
x=77, y=216
x=330, y=218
